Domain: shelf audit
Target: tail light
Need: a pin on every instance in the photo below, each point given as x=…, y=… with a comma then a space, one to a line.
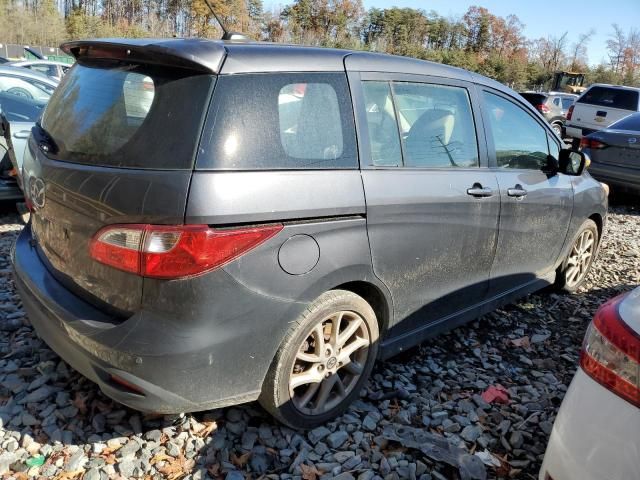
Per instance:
x=542, y=108
x=170, y=252
x=611, y=353
x=570, y=112
x=592, y=144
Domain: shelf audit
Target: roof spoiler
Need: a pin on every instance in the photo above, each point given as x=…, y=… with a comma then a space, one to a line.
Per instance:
x=203, y=56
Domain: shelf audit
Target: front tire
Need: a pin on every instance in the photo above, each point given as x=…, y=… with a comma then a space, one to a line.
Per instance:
x=575, y=268
x=323, y=362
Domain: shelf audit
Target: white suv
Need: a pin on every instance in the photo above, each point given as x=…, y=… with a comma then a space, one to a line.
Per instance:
x=598, y=107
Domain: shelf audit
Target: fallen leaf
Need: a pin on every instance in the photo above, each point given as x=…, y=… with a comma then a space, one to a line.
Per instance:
x=80, y=402
x=160, y=457
x=68, y=475
x=523, y=342
x=208, y=428
x=176, y=468
x=309, y=472
x=240, y=461
x=496, y=393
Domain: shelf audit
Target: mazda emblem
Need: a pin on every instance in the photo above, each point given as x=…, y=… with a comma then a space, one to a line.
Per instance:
x=37, y=192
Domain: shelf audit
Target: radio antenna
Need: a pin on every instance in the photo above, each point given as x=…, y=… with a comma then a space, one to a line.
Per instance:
x=226, y=35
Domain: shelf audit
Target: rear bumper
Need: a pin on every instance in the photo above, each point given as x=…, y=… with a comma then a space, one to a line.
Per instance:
x=577, y=132
x=620, y=178
x=595, y=435
x=177, y=369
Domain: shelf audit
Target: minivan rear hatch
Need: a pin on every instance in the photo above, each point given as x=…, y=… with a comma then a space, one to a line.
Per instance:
x=116, y=145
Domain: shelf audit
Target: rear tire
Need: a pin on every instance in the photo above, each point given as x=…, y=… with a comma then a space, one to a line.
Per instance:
x=320, y=369
x=576, y=267
x=557, y=127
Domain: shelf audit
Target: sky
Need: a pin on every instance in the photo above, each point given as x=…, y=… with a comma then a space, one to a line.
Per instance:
x=542, y=18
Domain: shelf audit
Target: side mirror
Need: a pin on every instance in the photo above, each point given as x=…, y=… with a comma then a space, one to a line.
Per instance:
x=551, y=167
x=573, y=162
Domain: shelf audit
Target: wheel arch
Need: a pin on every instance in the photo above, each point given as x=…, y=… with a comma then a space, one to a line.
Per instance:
x=374, y=297
x=597, y=218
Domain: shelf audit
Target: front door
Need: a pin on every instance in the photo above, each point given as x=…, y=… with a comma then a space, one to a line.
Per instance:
x=536, y=206
x=432, y=204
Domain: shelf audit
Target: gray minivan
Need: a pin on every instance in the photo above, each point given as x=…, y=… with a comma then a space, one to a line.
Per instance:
x=219, y=222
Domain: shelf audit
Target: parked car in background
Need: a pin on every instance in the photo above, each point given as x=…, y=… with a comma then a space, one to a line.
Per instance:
x=595, y=434
x=598, y=107
x=192, y=247
x=553, y=106
x=55, y=70
x=27, y=84
x=615, y=154
x=23, y=96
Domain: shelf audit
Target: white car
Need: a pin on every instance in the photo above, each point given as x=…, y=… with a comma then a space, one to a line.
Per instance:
x=600, y=106
x=596, y=435
x=55, y=70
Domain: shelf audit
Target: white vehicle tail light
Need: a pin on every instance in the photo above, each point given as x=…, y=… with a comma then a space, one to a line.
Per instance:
x=611, y=353
x=162, y=251
x=570, y=112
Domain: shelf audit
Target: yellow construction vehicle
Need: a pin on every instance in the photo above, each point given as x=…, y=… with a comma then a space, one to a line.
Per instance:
x=568, y=82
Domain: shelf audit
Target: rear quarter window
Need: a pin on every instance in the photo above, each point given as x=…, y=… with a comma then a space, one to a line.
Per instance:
x=611, y=97
x=279, y=121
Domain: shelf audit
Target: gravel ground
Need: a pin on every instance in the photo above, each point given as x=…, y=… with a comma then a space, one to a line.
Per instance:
x=422, y=415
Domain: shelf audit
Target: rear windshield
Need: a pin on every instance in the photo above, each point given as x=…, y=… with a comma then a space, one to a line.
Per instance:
x=280, y=121
x=611, y=97
x=567, y=102
x=632, y=123
x=127, y=115
x=534, y=98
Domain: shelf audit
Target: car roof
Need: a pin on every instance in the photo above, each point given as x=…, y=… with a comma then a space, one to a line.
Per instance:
x=618, y=87
x=563, y=94
x=25, y=72
x=231, y=57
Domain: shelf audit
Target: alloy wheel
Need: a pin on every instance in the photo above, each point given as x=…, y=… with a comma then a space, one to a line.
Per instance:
x=329, y=363
x=580, y=258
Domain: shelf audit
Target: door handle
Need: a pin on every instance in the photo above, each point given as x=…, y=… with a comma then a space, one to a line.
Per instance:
x=22, y=134
x=479, y=191
x=517, y=191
